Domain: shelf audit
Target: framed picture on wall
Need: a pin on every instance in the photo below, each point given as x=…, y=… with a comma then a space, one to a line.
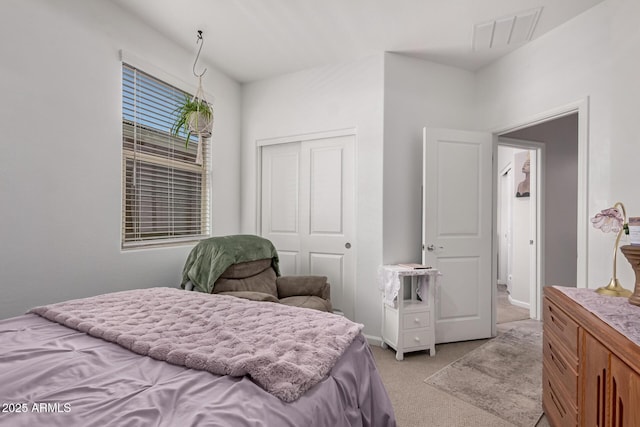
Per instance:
x=522, y=169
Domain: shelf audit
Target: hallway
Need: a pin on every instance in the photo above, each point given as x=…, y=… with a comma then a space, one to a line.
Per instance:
x=506, y=312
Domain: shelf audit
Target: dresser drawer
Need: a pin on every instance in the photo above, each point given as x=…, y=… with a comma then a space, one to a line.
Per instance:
x=557, y=322
x=560, y=365
x=416, y=320
x=559, y=409
x=416, y=338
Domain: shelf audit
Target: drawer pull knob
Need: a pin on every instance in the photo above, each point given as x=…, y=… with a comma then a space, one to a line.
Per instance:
x=417, y=320
x=417, y=339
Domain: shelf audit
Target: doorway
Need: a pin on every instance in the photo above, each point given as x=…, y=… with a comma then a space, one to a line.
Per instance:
x=554, y=258
x=517, y=198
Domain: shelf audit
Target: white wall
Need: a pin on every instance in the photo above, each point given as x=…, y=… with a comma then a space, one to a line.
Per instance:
x=520, y=229
x=60, y=214
x=417, y=93
x=504, y=200
x=593, y=55
x=334, y=97
x=577, y=60
x=520, y=261
x=60, y=158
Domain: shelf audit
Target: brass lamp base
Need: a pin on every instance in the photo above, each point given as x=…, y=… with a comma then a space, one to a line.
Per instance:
x=613, y=289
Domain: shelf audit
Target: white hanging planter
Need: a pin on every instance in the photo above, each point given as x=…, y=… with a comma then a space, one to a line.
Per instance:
x=200, y=124
x=194, y=117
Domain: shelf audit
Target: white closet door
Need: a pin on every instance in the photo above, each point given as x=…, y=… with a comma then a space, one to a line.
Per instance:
x=281, y=203
x=308, y=211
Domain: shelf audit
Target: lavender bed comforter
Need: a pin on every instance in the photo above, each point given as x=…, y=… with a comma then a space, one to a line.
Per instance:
x=53, y=375
x=286, y=350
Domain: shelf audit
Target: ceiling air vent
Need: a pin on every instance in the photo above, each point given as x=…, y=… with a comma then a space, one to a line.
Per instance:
x=507, y=31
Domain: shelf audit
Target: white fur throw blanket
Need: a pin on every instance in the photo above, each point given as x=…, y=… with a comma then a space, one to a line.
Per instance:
x=286, y=350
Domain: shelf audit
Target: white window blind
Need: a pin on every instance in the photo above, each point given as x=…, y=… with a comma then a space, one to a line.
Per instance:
x=165, y=193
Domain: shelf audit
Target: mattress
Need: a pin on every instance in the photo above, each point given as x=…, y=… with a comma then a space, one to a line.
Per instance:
x=56, y=376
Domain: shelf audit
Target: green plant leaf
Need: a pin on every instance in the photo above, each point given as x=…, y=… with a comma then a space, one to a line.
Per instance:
x=183, y=112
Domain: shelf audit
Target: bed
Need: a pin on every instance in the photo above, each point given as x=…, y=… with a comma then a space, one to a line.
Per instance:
x=167, y=357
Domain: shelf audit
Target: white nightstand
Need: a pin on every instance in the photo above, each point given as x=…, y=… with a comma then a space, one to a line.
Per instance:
x=408, y=318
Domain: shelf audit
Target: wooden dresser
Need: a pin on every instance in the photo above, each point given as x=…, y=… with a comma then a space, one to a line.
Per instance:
x=591, y=367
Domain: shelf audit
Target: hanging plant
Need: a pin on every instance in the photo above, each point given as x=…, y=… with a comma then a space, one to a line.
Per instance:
x=193, y=116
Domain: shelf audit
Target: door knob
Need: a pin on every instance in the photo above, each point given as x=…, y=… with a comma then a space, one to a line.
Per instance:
x=347, y=245
x=431, y=248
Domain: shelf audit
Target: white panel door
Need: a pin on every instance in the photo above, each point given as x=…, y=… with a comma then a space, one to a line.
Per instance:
x=457, y=227
x=308, y=211
x=280, y=203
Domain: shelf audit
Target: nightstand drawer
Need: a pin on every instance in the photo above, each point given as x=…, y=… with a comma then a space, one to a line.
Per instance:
x=416, y=338
x=416, y=320
x=558, y=323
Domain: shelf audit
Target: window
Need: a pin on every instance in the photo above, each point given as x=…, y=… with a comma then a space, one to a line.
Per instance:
x=165, y=193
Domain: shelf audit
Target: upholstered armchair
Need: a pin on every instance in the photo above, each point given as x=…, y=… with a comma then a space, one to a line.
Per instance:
x=246, y=266
x=257, y=280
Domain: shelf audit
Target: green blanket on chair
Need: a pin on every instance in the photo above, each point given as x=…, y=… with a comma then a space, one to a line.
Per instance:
x=211, y=257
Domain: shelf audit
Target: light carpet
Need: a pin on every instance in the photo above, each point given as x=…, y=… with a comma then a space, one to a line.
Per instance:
x=417, y=404
x=503, y=376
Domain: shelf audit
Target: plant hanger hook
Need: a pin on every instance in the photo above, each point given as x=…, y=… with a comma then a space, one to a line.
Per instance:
x=201, y=41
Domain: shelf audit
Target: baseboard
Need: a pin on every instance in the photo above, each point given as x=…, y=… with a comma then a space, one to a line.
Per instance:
x=373, y=340
x=518, y=303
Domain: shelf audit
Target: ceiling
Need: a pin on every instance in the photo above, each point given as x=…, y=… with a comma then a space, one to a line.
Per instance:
x=255, y=39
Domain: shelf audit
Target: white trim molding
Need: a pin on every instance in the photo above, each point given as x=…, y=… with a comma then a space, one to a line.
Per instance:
x=582, y=221
x=305, y=137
